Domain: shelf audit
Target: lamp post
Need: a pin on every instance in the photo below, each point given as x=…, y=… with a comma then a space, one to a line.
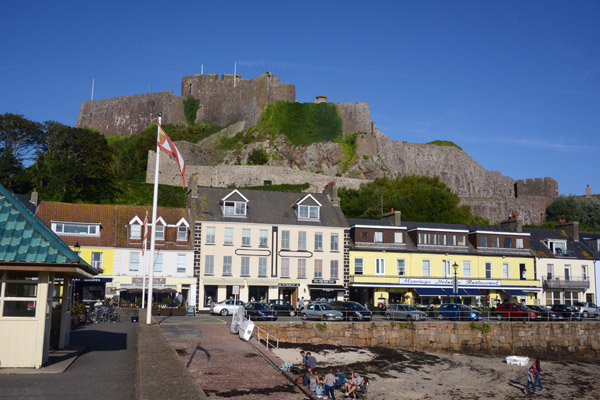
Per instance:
x=455, y=266
x=77, y=247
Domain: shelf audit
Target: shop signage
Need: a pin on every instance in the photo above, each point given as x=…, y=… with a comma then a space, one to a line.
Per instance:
x=449, y=281
x=289, y=284
x=155, y=281
x=324, y=281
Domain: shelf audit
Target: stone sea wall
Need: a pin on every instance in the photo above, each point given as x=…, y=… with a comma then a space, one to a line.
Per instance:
x=548, y=340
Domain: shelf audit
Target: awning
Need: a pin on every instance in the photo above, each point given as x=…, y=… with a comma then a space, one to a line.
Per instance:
x=475, y=292
x=514, y=292
x=139, y=290
x=430, y=292
x=327, y=288
x=461, y=292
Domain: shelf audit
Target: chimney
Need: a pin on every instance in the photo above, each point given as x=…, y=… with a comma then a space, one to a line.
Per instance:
x=394, y=217
x=321, y=99
x=514, y=223
x=331, y=191
x=34, y=197
x=572, y=229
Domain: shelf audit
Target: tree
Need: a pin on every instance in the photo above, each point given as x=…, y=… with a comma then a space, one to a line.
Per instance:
x=74, y=166
x=420, y=198
x=574, y=208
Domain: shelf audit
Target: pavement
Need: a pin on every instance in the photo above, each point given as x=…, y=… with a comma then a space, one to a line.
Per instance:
x=173, y=358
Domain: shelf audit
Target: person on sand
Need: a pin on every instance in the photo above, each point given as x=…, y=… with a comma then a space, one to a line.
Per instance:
x=306, y=377
x=530, y=379
x=351, y=386
x=329, y=384
x=310, y=360
x=538, y=380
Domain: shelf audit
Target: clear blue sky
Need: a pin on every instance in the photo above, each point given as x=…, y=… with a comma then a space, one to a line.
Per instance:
x=516, y=84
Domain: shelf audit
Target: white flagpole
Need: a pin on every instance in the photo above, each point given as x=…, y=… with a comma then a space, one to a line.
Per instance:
x=154, y=206
x=234, y=72
x=92, y=88
x=144, y=263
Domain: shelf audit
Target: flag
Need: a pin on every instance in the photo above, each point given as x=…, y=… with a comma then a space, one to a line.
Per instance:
x=167, y=145
x=145, y=241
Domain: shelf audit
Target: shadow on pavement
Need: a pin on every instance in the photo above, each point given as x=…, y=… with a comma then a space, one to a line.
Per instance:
x=99, y=340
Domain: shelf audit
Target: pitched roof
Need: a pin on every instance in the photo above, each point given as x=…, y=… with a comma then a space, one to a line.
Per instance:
x=265, y=207
x=574, y=248
x=26, y=240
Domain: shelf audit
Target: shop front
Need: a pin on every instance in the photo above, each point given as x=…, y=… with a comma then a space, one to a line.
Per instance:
x=288, y=291
x=87, y=291
x=325, y=290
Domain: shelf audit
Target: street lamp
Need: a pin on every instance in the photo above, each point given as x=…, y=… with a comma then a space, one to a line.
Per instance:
x=77, y=247
x=455, y=266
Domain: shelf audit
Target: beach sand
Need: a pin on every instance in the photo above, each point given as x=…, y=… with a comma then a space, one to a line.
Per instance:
x=399, y=374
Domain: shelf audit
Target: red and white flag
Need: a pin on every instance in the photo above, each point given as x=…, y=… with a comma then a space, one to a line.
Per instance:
x=145, y=241
x=167, y=145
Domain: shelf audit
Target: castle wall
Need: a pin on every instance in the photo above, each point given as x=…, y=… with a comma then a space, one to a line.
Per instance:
x=356, y=117
x=129, y=115
x=532, y=208
x=221, y=103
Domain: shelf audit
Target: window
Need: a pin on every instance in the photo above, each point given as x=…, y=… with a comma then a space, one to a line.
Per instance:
x=550, y=271
x=210, y=235
x=285, y=267
x=334, y=269
x=495, y=242
x=263, y=238
x=488, y=270
x=246, y=237
x=335, y=242
x=401, y=266
x=318, y=241
x=567, y=272
x=584, y=272
x=397, y=237
x=318, y=269
x=308, y=212
x=158, y=262
x=451, y=240
x=134, y=261
x=227, y=265
x=285, y=240
x=209, y=265
x=442, y=240
x=460, y=240
x=358, y=266
x=431, y=238
x=181, y=233
x=422, y=238
x=20, y=294
x=79, y=229
x=426, y=267
x=447, y=268
x=181, y=258
x=483, y=241
x=301, y=240
x=378, y=237
x=520, y=244
x=228, y=237
x=97, y=260
x=507, y=242
x=160, y=232
x=245, y=266
x=302, y=268
x=505, y=271
x=135, y=231
x=234, y=208
x=379, y=266
x=262, y=267
x=466, y=268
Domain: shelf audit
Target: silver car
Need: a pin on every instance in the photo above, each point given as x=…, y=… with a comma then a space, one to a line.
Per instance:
x=321, y=311
x=404, y=311
x=226, y=307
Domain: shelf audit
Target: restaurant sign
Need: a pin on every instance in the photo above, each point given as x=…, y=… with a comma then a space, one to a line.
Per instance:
x=449, y=282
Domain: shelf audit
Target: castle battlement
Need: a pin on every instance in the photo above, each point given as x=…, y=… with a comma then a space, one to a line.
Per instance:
x=136, y=97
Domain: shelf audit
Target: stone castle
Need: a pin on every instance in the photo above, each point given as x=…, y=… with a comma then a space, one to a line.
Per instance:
x=238, y=104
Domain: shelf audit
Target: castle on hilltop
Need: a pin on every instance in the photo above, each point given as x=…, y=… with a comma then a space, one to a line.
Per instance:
x=234, y=99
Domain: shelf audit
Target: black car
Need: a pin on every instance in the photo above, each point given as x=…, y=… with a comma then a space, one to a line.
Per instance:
x=567, y=311
x=546, y=314
x=352, y=310
x=282, y=307
x=260, y=311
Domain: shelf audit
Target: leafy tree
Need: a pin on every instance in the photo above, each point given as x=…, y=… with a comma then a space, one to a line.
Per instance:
x=74, y=166
x=258, y=156
x=574, y=208
x=420, y=198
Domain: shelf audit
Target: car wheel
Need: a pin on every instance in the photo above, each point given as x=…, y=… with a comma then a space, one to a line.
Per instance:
x=585, y=314
x=351, y=319
x=499, y=317
x=292, y=313
x=440, y=317
x=304, y=317
x=224, y=312
x=388, y=316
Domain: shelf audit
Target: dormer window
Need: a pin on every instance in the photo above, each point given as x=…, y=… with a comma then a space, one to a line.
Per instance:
x=308, y=212
x=135, y=231
x=558, y=247
x=235, y=204
x=160, y=232
x=78, y=229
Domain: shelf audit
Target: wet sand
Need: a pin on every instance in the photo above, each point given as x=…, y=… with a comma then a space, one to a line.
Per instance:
x=398, y=374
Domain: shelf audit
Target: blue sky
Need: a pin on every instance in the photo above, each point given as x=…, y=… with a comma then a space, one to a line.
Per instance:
x=516, y=84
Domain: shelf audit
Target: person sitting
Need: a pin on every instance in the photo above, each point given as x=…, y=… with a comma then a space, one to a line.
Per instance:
x=353, y=385
x=98, y=304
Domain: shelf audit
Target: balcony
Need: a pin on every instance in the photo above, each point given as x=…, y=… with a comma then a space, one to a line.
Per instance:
x=566, y=282
x=380, y=245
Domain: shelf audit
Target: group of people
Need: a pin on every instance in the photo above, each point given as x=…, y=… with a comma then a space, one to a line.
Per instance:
x=533, y=377
x=325, y=385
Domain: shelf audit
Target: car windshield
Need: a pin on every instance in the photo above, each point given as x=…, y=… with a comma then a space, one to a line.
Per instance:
x=523, y=307
x=410, y=308
x=355, y=306
x=463, y=308
x=261, y=306
x=326, y=307
x=571, y=308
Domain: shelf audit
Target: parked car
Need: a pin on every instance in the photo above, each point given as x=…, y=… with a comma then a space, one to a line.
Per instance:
x=226, y=307
x=321, y=311
x=404, y=311
x=458, y=312
x=515, y=311
x=352, y=310
x=282, y=307
x=260, y=311
x=587, y=309
x=568, y=312
x=546, y=314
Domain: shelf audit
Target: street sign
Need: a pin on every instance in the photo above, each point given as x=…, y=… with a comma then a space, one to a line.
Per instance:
x=236, y=290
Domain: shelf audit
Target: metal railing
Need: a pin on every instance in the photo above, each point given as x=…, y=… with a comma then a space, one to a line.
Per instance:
x=262, y=335
x=566, y=282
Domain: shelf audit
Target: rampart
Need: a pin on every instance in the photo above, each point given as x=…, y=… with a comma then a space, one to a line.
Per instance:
x=356, y=117
x=547, y=340
x=129, y=115
x=222, y=103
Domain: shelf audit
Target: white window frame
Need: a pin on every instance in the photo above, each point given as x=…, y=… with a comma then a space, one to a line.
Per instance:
x=442, y=240
x=584, y=274
x=335, y=242
x=451, y=240
x=318, y=241
x=447, y=268
x=91, y=229
x=520, y=243
x=308, y=212
x=97, y=264
x=246, y=237
x=181, y=233
x=488, y=270
x=211, y=235
x=263, y=238
x=235, y=208
x=549, y=271
x=426, y=267
x=245, y=266
x=160, y=232
x=359, y=266
x=262, y=267
x=380, y=266
x=495, y=241
x=334, y=269
x=301, y=268
x=158, y=262
x=398, y=237
x=134, y=260
x=28, y=299
x=181, y=262
x=285, y=267
x=318, y=269
x=378, y=237
x=401, y=266
x=285, y=240
x=209, y=265
x=228, y=237
x=135, y=231
x=467, y=268
x=302, y=240
x=505, y=271
x=227, y=266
